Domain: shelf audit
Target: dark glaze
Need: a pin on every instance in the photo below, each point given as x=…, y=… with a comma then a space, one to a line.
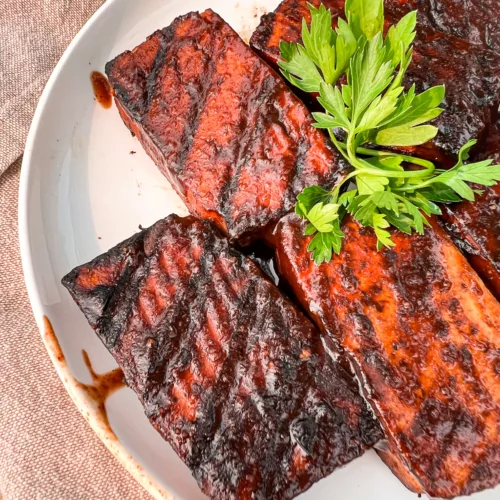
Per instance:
x=421, y=331
x=235, y=143
x=263, y=256
x=102, y=89
x=475, y=226
x=473, y=20
x=230, y=373
x=102, y=386
x=470, y=73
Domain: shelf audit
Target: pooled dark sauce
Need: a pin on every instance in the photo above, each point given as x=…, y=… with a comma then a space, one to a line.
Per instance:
x=102, y=89
x=103, y=385
x=264, y=257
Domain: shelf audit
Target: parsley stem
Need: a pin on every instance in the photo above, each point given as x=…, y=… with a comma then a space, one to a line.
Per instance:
x=430, y=167
x=393, y=174
x=339, y=145
x=418, y=186
x=363, y=167
x=410, y=159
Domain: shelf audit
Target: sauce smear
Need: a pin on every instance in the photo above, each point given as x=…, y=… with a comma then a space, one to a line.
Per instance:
x=102, y=89
x=103, y=385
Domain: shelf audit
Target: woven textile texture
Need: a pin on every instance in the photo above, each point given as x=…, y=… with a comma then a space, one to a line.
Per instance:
x=47, y=450
x=33, y=34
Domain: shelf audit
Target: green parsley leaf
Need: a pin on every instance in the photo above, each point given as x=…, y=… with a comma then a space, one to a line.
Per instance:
x=324, y=54
x=369, y=75
x=373, y=109
x=383, y=237
x=414, y=213
x=417, y=109
x=440, y=193
x=346, y=199
x=299, y=69
x=333, y=101
x=309, y=197
x=317, y=41
x=365, y=17
x=406, y=135
x=321, y=216
x=401, y=36
x=383, y=199
x=324, y=244
x=326, y=121
x=425, y=204
x=368, y=183
x=482, y=173
x=380, y=108
x=401, y=221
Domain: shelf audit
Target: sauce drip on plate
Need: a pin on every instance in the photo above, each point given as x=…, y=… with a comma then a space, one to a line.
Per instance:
x=102, y=89
x=103, y=385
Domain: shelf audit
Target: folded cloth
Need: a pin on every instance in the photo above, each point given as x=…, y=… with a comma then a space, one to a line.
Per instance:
x=33, y=34
x=47, y=451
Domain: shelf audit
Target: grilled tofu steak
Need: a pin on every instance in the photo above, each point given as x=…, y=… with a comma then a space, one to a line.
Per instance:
x=475, y=226
x=473, y=20
x=222, y=126
x=228, y=370
x=470, y=73
x=422, y=332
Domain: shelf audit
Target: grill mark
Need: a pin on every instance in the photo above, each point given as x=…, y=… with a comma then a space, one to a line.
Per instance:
x=204, y=434
x=303, y=145
x=220, y=392
x=253, y=104
x=193, y=124
x=116, y=314
x=265, y=102
x=183, y=299
x=199, y=97
x=460, y=389
x=152, y=78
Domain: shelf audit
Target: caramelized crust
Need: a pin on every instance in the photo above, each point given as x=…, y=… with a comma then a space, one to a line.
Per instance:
x=475, y=21
x=421, y=331
x=472, y=86
x=475, y=226
x=234, y=141
x=470, y=73
x=230, y=373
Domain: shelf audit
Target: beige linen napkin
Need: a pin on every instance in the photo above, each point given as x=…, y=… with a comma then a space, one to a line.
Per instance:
x=47, y=451
x=33, y=36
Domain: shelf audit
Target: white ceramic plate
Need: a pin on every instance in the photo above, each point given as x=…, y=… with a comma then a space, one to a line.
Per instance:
x=81, y=193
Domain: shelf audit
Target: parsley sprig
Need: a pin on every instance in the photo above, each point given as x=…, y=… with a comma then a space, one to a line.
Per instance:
x=358, y=74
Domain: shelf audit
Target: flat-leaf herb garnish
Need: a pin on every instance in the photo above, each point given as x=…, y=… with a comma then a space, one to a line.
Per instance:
x=373, y=109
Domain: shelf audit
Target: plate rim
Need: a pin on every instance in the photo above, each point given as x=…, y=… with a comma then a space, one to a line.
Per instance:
x=81, y=399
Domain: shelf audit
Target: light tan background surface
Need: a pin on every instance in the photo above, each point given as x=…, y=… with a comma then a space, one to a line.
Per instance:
x=47, y=451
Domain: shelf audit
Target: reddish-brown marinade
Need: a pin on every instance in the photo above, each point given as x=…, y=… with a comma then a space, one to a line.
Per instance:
x=230, y=373
x=101, y=88
x=473, y=20
x=422, y=333
x=221, y=125
x=475, y=226
x=470, y=73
